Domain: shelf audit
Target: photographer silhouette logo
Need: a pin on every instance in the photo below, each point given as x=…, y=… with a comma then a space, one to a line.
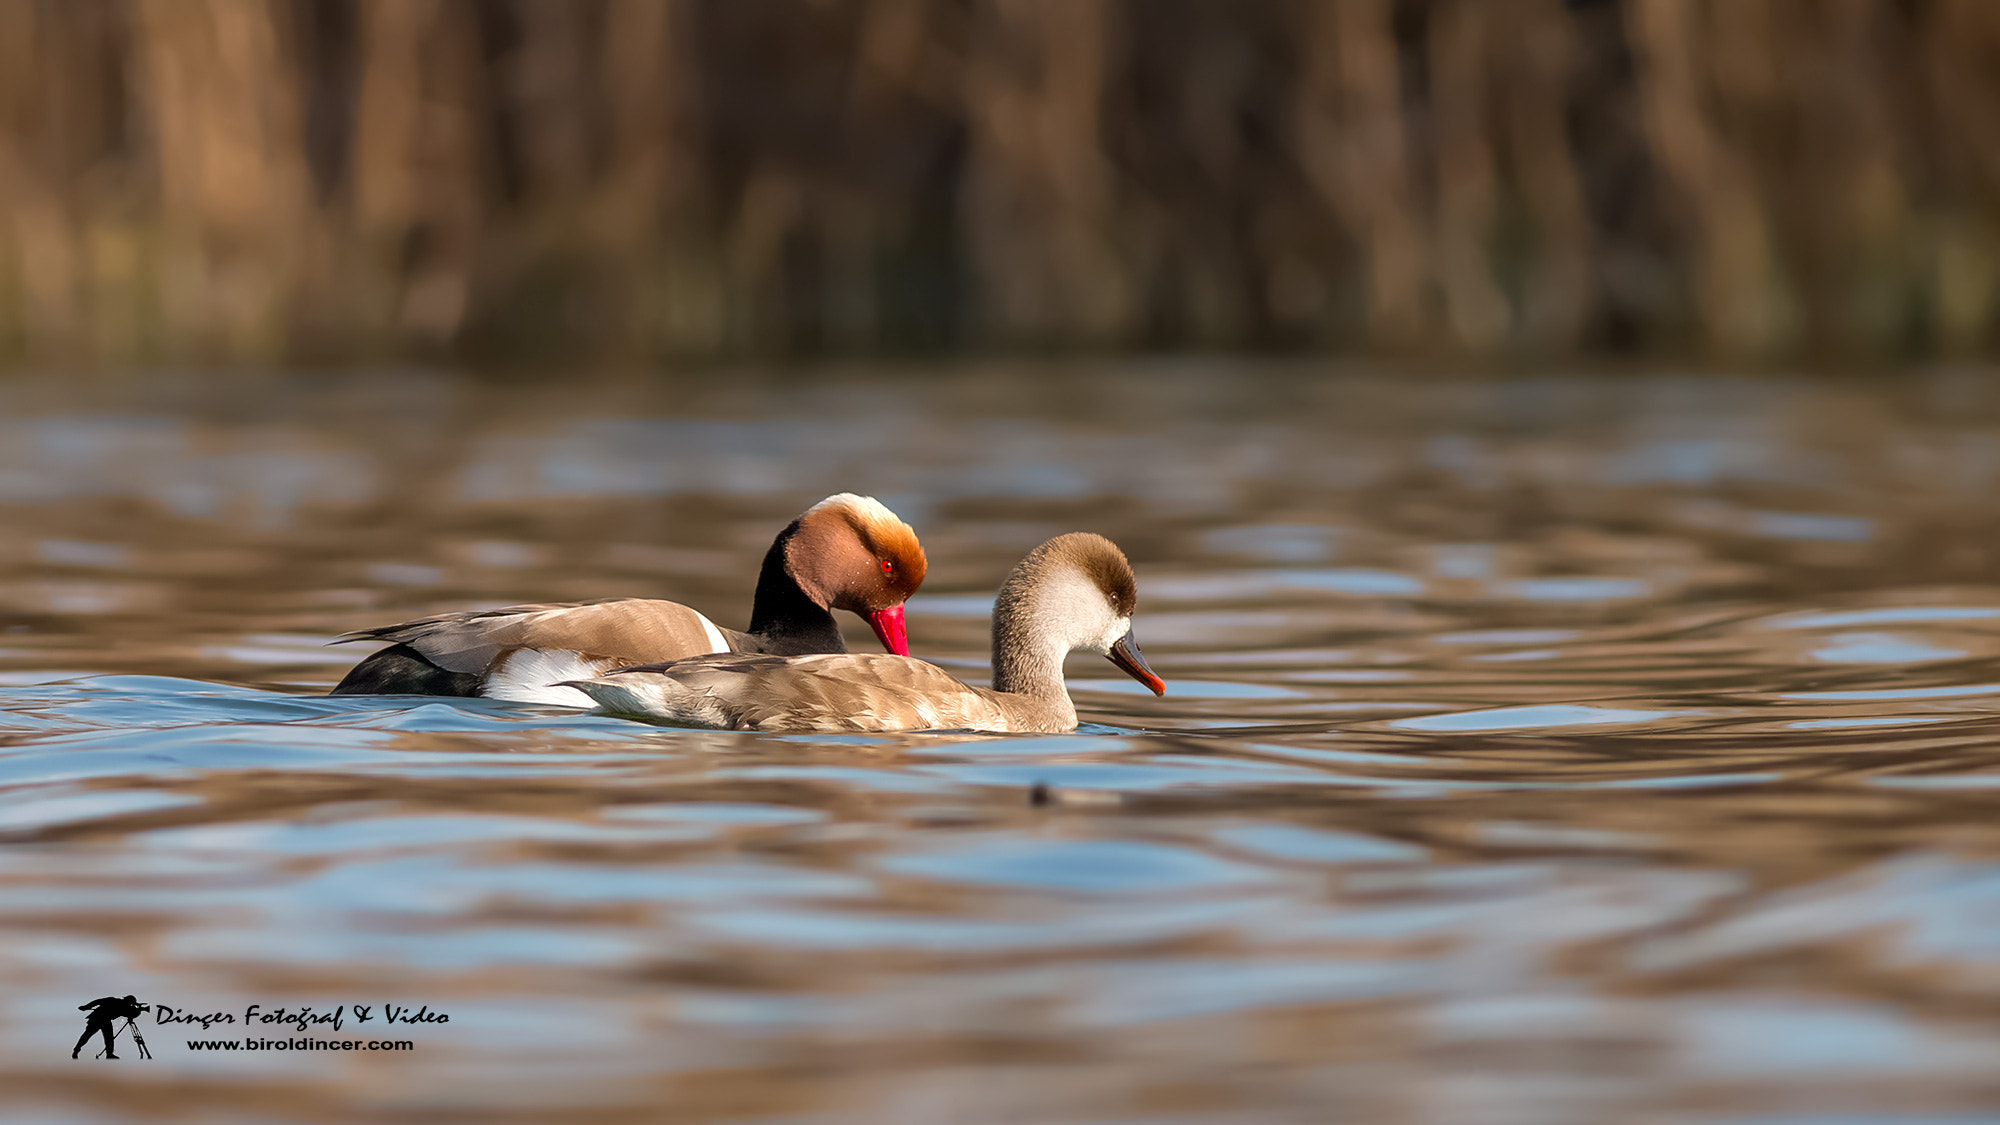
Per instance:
x=105, y=1012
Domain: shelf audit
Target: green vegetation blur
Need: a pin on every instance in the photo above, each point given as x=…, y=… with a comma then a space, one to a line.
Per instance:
x=270, y=181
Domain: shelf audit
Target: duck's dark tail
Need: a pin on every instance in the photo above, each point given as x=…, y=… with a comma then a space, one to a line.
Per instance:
x=402, y=670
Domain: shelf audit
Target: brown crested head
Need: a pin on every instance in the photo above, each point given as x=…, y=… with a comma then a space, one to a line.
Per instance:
x=1099, y=560
x=852, y=553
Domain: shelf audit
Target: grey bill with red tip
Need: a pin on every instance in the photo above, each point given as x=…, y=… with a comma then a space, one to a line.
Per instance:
x=1127, y=656
x=888, y=626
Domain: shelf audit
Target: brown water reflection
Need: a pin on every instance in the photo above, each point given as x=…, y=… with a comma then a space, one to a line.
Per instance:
x=1550, y=750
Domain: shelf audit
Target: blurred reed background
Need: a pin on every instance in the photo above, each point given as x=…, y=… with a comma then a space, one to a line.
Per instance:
x=284, y=180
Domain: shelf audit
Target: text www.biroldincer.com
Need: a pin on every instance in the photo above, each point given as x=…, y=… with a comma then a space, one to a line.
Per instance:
x=301, y=1043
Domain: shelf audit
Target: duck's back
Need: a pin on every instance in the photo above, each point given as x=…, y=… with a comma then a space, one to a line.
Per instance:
x=836, y=692
x=623, y=629
x=485, y=652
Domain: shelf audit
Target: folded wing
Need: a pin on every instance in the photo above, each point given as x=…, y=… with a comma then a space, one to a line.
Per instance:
x=618, y=631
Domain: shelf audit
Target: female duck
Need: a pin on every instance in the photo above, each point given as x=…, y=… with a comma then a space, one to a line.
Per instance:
x=1073, y=592
x=845, y=552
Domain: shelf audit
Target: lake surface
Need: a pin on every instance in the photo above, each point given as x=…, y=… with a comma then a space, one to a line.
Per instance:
x=1536, y=750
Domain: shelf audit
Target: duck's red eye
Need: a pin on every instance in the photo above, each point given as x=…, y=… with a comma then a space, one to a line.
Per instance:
x=888, y=567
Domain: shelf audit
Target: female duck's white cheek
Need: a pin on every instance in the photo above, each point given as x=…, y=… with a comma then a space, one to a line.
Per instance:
x=1119, y=627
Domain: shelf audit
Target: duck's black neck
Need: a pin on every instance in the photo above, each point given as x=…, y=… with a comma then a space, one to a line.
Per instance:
x=782, y=617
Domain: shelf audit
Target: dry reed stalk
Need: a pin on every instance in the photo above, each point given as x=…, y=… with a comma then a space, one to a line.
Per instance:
x=1735, y=280
x=1534, y=54
x=50, y=130
x=1462, y=150
x=422, y=164
x=1959, y=51
x=1040, y=207
x=234, y=190
x=1351, y=142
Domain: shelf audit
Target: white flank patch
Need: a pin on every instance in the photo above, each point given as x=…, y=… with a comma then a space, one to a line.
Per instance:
x=715, y=641
x=531, y=676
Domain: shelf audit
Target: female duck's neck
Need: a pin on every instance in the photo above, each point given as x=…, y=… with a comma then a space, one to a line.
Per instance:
x=1024, y=661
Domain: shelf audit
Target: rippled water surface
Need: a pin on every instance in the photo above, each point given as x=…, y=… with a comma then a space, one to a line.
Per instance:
x=1539, y=750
